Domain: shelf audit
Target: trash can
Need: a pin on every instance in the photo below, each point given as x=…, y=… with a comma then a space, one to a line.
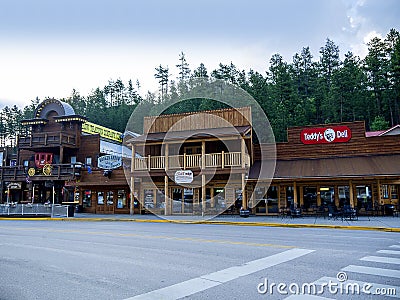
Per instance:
x=70, y=211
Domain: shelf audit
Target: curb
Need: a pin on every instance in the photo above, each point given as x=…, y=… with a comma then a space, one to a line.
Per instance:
x=233, y=223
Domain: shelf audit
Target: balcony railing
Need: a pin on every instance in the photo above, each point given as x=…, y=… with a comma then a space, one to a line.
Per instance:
x=190, y=161
x=58, y=171
x=47, y=139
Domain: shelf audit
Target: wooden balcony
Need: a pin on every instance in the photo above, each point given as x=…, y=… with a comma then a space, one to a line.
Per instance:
x=58, y=172
x=47, y=139
x=192, y=161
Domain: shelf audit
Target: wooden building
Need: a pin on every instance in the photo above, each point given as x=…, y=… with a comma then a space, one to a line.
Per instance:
x=199, y=163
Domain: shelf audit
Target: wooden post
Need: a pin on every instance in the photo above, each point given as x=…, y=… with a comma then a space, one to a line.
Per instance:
x=133, y=159
x=379, y=193
x=61, y=154
x=203, y=155
x=184, y=161
x=336, y=193
x=244, y=198
x=166, y=154
x=295, y=194
x=222, y=159
x=166, y=195
x=351, y=192
x=132, y=205
x=203, y=194
x=243, y=152
x=301, y=196
x=148, y=162
x=318, y=195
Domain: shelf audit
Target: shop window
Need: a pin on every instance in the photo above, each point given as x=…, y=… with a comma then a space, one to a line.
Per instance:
x=364, y=198
x=177, y=200
x=110, y=198
x=88, y=161
x=289, y=196
x=149, y=198
x=188, y=200
x=87, y=198
x=344, y=195
x=272, y=199
x=160, y=199
x=394, y=192
x=327, y=196
x=219, y=196
x=100, y=198
x=385, y=191
x=238, y=198
x=121, y=201
x=73, y=159
x=309, y=197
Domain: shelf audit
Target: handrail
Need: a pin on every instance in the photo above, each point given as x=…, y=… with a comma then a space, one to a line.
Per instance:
x=212, y=160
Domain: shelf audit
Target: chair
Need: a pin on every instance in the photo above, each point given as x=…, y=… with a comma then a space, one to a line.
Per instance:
x=333, y=212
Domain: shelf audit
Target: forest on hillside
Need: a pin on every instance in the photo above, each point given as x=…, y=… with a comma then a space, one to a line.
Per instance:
x=307, y=90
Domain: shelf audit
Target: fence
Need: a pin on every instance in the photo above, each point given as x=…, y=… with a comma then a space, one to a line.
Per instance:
x=48, y=210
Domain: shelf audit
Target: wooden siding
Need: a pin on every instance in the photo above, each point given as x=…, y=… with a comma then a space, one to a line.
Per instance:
x=198, y=120
x=90, y=147
x=359, y=145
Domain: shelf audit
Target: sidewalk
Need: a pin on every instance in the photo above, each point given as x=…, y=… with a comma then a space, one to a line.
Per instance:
x=387, y=223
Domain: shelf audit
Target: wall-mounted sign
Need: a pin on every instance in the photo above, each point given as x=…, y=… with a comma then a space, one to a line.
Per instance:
x=109, y=162
x=14, y=186
x=107, y=133
x=325, y=135
x=185, y=176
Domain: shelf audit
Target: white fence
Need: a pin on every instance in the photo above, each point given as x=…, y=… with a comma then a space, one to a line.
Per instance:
x=47, y=210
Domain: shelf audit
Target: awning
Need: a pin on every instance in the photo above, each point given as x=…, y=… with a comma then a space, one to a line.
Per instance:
x=337, y=167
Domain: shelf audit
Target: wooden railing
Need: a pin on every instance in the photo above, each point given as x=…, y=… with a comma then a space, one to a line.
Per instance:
x=58, y=171
x=190, y=161
x=47, y=139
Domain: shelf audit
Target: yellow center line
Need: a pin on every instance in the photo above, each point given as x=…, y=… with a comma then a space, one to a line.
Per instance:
x=165, y=237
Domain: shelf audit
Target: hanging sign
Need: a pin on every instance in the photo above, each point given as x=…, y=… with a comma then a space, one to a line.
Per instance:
x=325, y=135
x=109, y=162
x=185, y=176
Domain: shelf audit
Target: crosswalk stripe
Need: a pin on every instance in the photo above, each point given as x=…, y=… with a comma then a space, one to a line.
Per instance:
x=395, y=246
x=306, y=297
x=374, y=287
x=372, y=271
x=202, y=283
x=389, y=252
x=380, y=259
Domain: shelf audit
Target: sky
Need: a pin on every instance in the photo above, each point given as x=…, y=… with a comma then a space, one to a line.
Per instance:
x=48, y=48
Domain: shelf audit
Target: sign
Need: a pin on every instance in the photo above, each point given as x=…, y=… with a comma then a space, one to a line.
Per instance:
x=109, y=162
x=325, y=135
x=184, y=176
x=104, y=132
x=14, y=186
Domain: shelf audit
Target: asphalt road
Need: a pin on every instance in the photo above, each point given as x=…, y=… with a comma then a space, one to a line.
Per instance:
x=129, y=260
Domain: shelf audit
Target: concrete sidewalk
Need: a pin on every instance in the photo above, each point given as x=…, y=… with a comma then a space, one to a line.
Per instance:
x=387, y=223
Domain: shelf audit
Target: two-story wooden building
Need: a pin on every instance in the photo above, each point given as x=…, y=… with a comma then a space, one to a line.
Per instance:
x=199, y=163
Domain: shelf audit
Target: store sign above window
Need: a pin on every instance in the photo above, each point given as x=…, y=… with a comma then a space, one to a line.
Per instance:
x=109, y=162
x=325, y=135
x=184, y=176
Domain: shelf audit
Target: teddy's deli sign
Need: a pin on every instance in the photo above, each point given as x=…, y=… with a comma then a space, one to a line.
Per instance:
x=325, y=135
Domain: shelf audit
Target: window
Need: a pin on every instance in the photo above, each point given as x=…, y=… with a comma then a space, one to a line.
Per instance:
x=309, y=197
x=87, y=198
x=219, y=196
x=121, y=202
x=149, y=198
x=100, y=198
x=73, y=159
x=88, y=161
x=394, y=192
x=110, y=198
x=160, y=199
x=272, y=199
x=385, y=191
x=26, y=163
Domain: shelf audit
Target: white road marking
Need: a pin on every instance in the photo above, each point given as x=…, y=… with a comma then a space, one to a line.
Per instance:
x=395, y=246
x=389, y=252
x=349, y=284
x=195, y=285
x=372, y=271
x=380, y=259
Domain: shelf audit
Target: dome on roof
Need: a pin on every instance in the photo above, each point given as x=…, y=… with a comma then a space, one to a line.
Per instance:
x=52, y=105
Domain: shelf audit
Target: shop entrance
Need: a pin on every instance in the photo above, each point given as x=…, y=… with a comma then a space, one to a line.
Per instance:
x=182, y=200
x=105, y=202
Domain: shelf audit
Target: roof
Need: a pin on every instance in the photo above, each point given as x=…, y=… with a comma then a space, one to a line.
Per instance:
x=199, y=133
x=346, y=167
x=395, y=130
x=373, y=133
x=62, y=108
